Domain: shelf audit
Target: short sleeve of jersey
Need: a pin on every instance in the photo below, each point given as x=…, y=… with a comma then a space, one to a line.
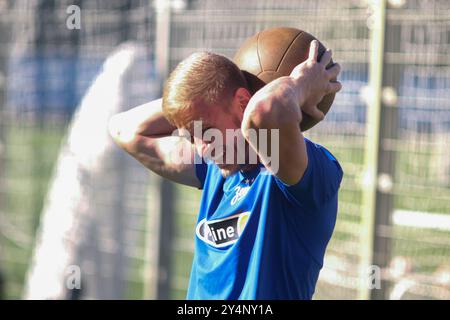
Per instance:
x=320, y=181
x=201, y=168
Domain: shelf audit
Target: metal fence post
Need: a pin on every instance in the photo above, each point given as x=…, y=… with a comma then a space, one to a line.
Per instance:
x=388, y=132
x=159, y=286
x=382, y=123
x=377, y=25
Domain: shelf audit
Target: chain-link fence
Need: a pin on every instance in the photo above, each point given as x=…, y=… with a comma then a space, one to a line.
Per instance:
x=60, y=172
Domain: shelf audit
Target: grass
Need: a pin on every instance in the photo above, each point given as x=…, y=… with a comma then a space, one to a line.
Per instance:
x=30, y=154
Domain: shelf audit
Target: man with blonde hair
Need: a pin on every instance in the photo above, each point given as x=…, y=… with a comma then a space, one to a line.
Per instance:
x=262, y=229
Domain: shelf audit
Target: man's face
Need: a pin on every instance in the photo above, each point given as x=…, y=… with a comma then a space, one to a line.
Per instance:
x=213, y=122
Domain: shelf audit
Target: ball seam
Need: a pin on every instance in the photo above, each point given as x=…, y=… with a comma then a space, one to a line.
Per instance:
x=257, y=53
x=287, y=49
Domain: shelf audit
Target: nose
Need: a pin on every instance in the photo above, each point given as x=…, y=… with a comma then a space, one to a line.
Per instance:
x=209, y=150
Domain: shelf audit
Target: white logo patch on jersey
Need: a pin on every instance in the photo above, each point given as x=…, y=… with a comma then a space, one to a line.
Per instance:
x=240, y=193
x=222, y=232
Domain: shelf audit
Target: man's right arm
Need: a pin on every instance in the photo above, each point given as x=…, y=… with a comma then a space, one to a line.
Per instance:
x=146, y=134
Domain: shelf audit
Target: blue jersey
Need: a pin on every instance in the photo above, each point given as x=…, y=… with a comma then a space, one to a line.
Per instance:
x=258, y=238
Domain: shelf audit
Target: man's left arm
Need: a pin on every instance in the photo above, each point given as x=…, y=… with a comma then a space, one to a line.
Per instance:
x=279, y=106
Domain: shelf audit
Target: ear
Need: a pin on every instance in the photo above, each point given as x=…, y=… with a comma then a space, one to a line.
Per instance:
x=241, y=98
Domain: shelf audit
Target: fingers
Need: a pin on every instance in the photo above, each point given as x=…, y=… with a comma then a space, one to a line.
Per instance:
x=316, y=114
x=334, y=86
x=326, y=58
x=334, y=71
x=313, y=50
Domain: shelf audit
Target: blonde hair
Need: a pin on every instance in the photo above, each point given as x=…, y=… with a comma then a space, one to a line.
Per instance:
x=203, y=76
